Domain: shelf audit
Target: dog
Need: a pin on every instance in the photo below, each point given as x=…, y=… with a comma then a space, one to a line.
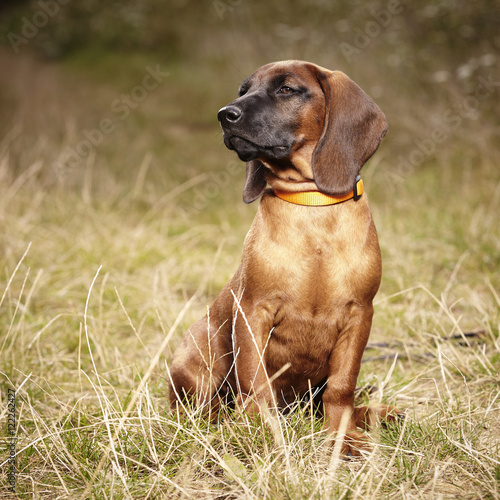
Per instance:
x=297, y=314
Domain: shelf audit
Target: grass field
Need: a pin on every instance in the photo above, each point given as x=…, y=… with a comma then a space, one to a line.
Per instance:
x=121, y=219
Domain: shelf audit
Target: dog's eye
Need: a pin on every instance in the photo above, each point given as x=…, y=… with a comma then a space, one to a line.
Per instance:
x=286, y=90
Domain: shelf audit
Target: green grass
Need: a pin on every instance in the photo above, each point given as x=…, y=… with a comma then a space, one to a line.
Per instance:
x=103, y=267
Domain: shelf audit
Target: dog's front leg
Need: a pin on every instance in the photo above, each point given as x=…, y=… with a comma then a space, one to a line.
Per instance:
x=344, y=365
x=252, y=328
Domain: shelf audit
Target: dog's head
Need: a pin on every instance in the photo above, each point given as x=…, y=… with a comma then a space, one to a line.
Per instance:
x=294, y=109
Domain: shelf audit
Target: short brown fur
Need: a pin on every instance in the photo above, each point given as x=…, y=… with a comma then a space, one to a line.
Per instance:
x=301, y=300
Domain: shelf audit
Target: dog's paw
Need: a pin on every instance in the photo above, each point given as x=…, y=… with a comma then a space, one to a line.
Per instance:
x=353, y=445
x=356, y=445
x=368, y=417
x=390, y=416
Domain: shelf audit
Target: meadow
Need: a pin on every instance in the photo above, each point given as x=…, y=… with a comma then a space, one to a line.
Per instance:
x=121, y=218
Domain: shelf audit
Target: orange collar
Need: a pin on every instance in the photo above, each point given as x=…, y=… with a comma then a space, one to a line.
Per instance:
x=317, y=199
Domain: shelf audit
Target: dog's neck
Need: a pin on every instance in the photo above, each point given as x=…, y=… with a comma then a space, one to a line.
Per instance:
x=292, y=176
x=294, y=183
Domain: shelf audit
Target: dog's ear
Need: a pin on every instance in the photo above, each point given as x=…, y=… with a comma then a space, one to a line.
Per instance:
x=255, y=182
x=353, y=128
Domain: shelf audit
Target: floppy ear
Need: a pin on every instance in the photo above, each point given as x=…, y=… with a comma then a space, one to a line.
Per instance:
x=255, y=182
x=354, y=126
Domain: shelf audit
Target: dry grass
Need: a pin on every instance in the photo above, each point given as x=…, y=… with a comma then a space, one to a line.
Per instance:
x=104, y=266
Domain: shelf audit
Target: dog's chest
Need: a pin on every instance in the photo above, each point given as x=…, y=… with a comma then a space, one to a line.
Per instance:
x=307, y=269
x=310, y=257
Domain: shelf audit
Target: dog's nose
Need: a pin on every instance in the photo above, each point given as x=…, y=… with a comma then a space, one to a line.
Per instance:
x=229, y=113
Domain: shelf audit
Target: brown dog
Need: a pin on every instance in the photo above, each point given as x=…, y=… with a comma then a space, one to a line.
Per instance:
x=297, y=314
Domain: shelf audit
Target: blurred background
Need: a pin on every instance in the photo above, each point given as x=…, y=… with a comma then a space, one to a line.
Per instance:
x=65, y=62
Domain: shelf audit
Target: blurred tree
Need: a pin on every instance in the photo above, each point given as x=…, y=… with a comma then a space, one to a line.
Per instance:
x=453, y=30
